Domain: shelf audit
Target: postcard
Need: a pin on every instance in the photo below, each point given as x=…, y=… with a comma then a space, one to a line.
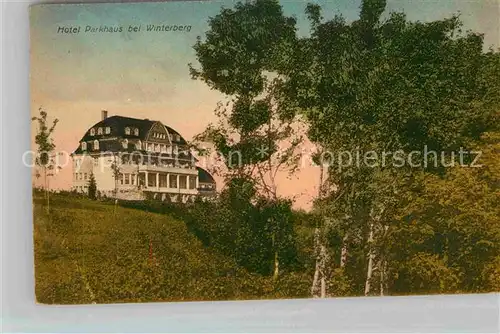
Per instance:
x=222, y=150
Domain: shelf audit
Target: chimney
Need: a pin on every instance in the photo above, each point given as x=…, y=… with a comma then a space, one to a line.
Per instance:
x=104, y=114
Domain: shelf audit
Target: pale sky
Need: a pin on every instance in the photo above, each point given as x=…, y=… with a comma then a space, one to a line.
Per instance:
x=145, y=74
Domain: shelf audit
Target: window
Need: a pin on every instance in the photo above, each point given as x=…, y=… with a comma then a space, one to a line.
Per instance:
x=163, y=180
x=136, y=132
x=138, y=145
x=127, y=130
x=120, y=178
x=108, y=130
x=178, y=138
x=125, y=143
x=96, y=161
x=84, y=148
x=96, y=145
x=127, y=178
x=192, y=182
x=150, y=147
x=132, y=181
x=85, y=176
x=99, y=131
x=183, y=181
x=173, y=181
x=92, y=132
x=151, y=180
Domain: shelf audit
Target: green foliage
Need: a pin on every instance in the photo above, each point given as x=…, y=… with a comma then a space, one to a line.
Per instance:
x=46, y=158
x=241, y=44
x=428, y=274
x=383, y=84
x=388, y=85
x=246, y=227
x=457, y=218
x=43, y=139
x=105, y=260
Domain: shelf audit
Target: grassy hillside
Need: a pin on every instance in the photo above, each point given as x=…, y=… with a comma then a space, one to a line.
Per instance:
x=84, y=254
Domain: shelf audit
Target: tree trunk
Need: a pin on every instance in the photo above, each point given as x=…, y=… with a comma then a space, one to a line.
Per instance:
x=374, y=220
x=344, y=253
x=382, y=278
x=276, y=265
x=369, y=271
x=46, y=186
x=276, y=258
x=383, y=267
x=318, y=288
x=322, y=271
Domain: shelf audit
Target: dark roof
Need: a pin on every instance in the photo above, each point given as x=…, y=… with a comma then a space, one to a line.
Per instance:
x=117, y=125
x=204, y=176
x=172, y=132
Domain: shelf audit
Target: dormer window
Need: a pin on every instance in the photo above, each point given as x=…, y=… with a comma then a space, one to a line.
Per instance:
x=92, y=132
x=96, y=145
x=136, y=132
x=99, y=131
x=84, y=146
x=125, y=143
x=108, y=130
x=127, y=131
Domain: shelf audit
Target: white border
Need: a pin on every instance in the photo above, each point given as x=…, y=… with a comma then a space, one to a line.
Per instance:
x=467, y=313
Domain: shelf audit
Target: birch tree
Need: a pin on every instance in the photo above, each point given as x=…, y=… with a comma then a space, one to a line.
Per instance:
x=46, y=156
x=387, y=85
x=241, y=56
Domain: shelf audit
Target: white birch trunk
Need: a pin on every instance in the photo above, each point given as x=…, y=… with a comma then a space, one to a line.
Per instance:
x=319, y=282
x=369, y=271
x=382, y=278
x=276, y=265
x=315, y=284
x=343, y=252
x=322, y=271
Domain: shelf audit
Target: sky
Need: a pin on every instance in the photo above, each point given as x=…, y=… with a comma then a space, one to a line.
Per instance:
x=145, y=74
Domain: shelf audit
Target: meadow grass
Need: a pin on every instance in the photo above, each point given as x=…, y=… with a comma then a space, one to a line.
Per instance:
x=84, y=253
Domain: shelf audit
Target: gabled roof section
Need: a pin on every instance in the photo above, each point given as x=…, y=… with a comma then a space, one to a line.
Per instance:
x=173, y=136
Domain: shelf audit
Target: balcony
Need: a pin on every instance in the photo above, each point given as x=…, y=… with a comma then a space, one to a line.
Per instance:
x=166, y=169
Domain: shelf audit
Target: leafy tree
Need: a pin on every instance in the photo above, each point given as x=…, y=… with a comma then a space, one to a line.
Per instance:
x=382, y=84
x=92, y=187
x=241, y=56
x=388, y=85
x=455, y=220
x=46, y=156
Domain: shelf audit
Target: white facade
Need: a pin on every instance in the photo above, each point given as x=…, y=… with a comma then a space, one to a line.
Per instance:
x=137, y=167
